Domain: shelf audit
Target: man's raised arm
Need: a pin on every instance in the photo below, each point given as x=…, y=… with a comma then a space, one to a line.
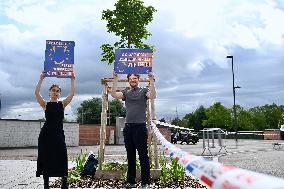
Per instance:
x=151, y=94
x=114, y=93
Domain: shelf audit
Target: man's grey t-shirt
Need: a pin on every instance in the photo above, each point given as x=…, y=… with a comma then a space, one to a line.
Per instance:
x=136, y=103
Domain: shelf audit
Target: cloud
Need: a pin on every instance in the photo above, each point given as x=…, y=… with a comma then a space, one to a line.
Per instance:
x=190, y=64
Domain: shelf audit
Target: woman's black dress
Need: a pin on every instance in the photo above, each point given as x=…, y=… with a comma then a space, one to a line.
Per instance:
x=52, y=153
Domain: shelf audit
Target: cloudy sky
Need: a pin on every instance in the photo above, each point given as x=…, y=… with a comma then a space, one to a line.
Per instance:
x=192, y=40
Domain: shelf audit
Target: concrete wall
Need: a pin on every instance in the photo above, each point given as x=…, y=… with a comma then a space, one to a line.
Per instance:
x=24, y=133
x=120, y=123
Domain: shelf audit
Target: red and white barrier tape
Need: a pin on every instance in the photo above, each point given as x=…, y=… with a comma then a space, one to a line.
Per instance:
x=217, y=175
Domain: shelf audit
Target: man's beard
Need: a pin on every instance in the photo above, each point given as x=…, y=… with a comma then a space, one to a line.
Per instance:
x=133, y=85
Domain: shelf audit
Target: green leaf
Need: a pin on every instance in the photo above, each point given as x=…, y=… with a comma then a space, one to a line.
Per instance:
x=128, y=21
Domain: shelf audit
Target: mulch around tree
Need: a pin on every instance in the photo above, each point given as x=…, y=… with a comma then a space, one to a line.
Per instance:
x=89, y=182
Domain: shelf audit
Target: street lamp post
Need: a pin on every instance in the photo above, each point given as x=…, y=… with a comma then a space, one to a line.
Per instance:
x=234, y=106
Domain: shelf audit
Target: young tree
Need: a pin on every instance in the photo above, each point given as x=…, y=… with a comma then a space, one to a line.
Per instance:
x=218, y=116
x=245, y=121
x=190, y=120
x=273, y=115
x=281, y=121
x=89, y=111
x=116, y=110
x=200, y=116
x=176, y=121
x=258, y=119
x=128, y=21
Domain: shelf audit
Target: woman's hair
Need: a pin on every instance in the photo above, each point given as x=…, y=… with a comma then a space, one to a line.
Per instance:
x=55, y=85
x=128, y=75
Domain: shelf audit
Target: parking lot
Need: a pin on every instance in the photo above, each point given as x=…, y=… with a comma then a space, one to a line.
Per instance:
x=17, y=165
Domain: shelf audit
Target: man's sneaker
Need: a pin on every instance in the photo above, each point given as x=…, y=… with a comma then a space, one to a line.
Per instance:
x=145, y=186
x=128, y=185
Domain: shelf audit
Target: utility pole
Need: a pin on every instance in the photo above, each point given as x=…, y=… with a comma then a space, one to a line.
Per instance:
x=176, y=113
x=234, y=106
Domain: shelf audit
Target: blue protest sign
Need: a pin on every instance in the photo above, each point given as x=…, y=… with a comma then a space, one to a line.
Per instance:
x=137, y=61
x=59, y=58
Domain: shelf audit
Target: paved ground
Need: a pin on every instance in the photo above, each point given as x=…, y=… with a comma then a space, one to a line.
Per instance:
x=18, y=165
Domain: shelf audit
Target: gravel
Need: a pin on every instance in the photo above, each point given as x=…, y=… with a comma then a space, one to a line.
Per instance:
x=88, y=182
x=270, y=163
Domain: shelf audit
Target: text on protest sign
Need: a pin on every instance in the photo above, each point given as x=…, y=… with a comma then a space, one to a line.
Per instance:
x=59, y=58
x=137, y=61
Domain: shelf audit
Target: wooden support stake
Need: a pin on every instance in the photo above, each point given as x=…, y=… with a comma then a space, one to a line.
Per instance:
x=148, y=117
x=153, y=115
x=103, y=126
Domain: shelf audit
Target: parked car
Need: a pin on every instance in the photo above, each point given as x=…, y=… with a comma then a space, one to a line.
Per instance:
x=184, y=136
x=188, y=136
x=175, y=137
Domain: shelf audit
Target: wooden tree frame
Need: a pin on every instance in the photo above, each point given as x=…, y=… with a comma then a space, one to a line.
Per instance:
x=150, y=116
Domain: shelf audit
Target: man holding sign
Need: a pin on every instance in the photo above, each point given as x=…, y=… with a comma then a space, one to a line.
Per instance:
x=135, y=131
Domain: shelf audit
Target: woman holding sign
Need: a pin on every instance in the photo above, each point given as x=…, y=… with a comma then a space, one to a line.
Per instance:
x=52, y=152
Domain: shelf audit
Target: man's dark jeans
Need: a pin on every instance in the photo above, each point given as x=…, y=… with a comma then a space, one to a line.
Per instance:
x=135, y=137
